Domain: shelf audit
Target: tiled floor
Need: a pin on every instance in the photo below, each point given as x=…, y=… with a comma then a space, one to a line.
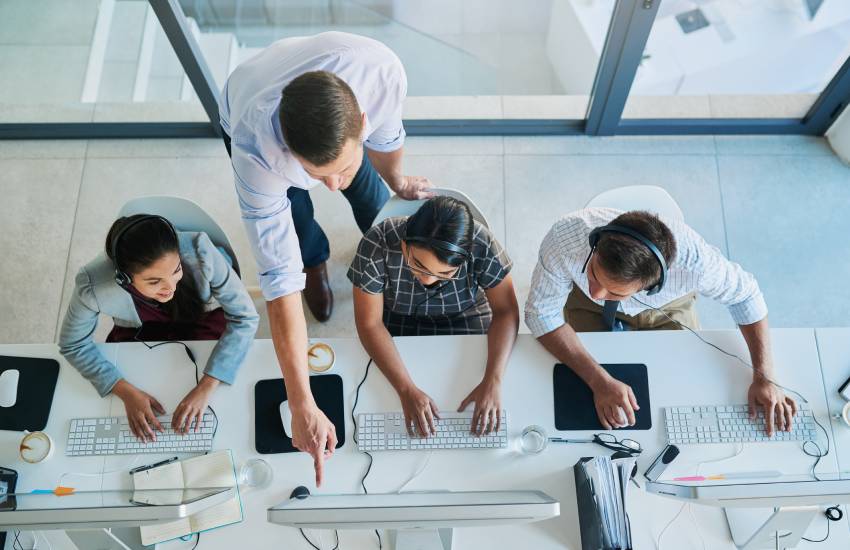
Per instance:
x=775, y=204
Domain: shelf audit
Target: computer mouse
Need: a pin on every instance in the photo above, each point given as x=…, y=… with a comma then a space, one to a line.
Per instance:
x=286, y=418
x=9, y=387
x=300, y=492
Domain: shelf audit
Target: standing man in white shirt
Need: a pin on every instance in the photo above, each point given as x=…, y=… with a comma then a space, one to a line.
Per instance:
x=304, y=111
x=606, y=269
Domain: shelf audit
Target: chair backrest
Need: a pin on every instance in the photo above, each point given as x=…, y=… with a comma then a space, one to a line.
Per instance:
x=185, y=215
x=640, y=197
x=397, y=206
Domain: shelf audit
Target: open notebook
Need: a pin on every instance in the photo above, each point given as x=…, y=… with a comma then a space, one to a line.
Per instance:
x=212, y=470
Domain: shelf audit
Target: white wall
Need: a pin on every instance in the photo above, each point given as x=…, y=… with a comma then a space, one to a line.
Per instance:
x=838, y=136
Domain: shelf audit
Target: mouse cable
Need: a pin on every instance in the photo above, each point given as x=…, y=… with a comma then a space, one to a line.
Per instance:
x=194, y=362
x=303, y=534
x=818, y=453
x=354, y=437
x=833, y=513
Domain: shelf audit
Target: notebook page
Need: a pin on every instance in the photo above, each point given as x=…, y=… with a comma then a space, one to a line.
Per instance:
x=212, y=470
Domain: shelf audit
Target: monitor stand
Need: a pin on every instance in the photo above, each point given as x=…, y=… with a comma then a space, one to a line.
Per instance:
x=757, y=528
x=421, y=539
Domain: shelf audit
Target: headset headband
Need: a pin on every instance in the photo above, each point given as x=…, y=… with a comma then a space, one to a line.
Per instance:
x=122, y=278
x=610, y=228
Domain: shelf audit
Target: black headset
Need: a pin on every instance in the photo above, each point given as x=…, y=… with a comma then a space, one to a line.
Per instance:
x=610, y=228
x=122, y=278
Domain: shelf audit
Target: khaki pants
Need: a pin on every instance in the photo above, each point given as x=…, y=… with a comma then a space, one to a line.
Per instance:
x=585, y=315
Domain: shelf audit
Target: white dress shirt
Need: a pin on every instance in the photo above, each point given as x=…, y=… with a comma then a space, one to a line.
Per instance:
x=698, y=267
x=263, y=166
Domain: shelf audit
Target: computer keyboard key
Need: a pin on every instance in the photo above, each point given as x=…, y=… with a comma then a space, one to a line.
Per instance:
x=386, y=431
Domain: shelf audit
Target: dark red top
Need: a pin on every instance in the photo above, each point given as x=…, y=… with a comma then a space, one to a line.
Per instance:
x=157, y=326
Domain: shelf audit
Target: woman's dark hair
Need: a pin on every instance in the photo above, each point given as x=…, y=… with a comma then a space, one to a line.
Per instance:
x=143, y=244
x=627, y=260
x=444, y=226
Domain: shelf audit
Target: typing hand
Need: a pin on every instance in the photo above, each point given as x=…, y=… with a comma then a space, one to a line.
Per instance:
x=611, y=397
x=419, y=412
x=140, y=408
x=488, y=405
x=778, y=408
x=413, y=187
x=313, y=433
x=191, y=410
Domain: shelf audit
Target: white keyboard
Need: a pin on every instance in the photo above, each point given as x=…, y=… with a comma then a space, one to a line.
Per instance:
x=731, y=424
x=112, y=436
x=386, y=432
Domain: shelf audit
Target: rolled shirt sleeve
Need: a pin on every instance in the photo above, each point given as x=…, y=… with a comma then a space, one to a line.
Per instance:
x=267, y=218
x=389, y=136
x=551, y=283
x=725, y=281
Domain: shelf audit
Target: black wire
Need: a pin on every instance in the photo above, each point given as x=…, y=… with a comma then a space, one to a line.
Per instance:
x=816, y=455
x=830, y=518
x=303, y=534
x=197, y=371
x=16, y=544
x=356, y=442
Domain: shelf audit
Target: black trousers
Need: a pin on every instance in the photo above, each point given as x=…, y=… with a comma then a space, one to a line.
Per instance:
x=366, y=195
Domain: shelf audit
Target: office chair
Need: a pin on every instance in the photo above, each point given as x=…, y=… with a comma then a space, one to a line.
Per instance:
x=184, y=215
x=639, y=197
x=397, y=206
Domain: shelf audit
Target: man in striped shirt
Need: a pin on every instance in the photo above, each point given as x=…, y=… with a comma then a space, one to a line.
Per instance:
x=623, y=282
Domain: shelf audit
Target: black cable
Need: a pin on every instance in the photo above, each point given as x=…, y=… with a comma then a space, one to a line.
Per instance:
x=354, y=437
x=303, y=534
x=194, y=362
x=16, y=544
x=816, y=455
x=833, y=513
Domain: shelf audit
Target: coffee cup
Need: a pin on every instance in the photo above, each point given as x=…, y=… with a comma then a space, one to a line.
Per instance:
x=36, y=447
x=844, y=415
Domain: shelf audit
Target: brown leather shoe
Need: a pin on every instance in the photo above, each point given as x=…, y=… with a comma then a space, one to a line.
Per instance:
x=320, y=298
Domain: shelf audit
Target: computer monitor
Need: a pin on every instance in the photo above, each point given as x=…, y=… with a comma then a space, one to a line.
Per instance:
x=105, y=509
x=417, y=520
x=764, y=514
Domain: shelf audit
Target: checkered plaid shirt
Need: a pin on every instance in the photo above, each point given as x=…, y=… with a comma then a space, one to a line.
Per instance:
x=447, y=307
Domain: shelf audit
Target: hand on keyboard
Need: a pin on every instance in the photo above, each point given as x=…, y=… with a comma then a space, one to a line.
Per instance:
x=419, y=412
x=488, y=404
x=779, y=409
x=141, y=409
x=191, y=409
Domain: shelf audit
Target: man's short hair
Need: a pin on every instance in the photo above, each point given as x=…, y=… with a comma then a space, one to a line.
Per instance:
x=626, y=259
x=318, y=113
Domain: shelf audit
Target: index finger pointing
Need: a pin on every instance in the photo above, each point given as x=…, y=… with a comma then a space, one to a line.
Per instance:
x=318, y=464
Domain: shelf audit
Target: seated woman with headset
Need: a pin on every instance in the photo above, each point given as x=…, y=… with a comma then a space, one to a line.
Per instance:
x=158, y=283
x=424, y=275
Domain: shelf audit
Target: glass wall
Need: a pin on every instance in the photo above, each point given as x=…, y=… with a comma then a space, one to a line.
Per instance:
x=739, y=58
x=464, y=59
x=90, y=61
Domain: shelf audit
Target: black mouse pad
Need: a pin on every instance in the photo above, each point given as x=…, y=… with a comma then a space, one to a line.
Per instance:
x=36, y=385
x=268, y=427
x=574, y=409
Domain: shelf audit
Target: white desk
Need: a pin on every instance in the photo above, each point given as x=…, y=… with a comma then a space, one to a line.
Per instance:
x=682, y=371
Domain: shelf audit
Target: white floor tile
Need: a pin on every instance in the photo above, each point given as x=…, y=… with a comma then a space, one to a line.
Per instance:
x=615, y=145
x=773, y=145
x=787, y=223
x=36, y=217
x=48, y=22
x=43, y=149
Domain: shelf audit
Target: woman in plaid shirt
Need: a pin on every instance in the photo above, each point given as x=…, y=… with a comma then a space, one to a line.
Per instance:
x=423, y=275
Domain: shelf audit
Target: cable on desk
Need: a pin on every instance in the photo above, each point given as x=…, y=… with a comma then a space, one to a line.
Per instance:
x=303, y=534
x=354, y=437
x=833, y=513
x=819, y=453
x=194, y=362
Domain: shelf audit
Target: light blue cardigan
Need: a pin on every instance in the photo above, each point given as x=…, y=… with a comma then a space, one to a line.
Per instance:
x=97, y=292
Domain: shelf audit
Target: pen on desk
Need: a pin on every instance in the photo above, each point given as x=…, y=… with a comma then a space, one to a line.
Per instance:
x=562, y=440
x=152, y=466
x=734, y=475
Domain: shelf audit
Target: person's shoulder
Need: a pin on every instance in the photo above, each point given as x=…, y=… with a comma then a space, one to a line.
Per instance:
x=387, y=232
